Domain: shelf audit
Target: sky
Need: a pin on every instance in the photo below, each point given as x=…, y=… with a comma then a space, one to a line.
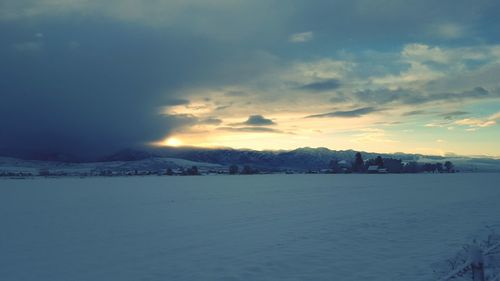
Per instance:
x=87, y=78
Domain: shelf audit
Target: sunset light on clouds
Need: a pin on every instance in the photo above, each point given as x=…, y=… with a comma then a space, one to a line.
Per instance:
x=427, y=95
x=366, y=75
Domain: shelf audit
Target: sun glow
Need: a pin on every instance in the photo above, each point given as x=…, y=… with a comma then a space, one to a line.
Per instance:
x=173, y=142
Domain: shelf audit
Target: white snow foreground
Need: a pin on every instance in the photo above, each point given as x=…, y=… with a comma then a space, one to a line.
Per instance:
x=269, y=227
x=478, y=261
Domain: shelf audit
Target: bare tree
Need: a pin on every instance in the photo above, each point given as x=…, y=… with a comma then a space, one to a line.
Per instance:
x=478, y=261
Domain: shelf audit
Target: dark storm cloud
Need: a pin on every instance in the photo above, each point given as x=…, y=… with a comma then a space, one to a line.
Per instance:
x=382, y=96
x=335, y=24
x=258, y=120
x=222, y=107
x=186, y=120
x=236, y=94
x=474, y=94
x=388, y=123
x=103, y=95
x=353, y=22
x=251, y=130
x=88, y=77
x=176, y=101
x=321, y=86
x=414, y=112
x=348, y=113
x=339, y=97
x=453, y=114
x=411, y=97
x=210, y=121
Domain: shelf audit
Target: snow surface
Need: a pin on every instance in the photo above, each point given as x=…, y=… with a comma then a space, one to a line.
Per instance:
x=268, y=227
x=32, y=166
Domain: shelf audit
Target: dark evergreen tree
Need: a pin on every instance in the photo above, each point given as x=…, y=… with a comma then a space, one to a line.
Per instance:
x=393, y=165
x=411, y=167
x=335, y=167
x=247, y=170
x=43, y=172
x=429, y=168
x=358, y=165
x=448, y=166
x=169, y=172
x=233, y=169
x=193, y=171
x=439, y=167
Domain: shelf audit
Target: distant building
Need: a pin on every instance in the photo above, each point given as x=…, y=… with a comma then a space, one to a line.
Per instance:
x=344, y=166
x=375, y=169
x=343, y=163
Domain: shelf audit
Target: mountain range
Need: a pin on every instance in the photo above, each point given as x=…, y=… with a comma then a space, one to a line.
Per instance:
x=301, y=159
x=298, y=159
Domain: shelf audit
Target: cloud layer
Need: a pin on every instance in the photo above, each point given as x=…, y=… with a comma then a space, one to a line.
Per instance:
x=88, y=77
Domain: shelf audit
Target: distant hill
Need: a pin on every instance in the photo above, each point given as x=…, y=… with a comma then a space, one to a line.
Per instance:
x=33, y=167
x=301, y=159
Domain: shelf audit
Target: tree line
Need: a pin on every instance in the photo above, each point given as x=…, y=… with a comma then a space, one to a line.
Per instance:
x=388, y=165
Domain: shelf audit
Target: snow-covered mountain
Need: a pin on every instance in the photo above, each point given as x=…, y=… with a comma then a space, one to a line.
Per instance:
x=299, y=159
x=218, y=160
x=147, y=165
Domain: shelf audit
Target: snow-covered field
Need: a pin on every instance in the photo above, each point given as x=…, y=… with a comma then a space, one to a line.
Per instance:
x=269, y=227
x=33, y=166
